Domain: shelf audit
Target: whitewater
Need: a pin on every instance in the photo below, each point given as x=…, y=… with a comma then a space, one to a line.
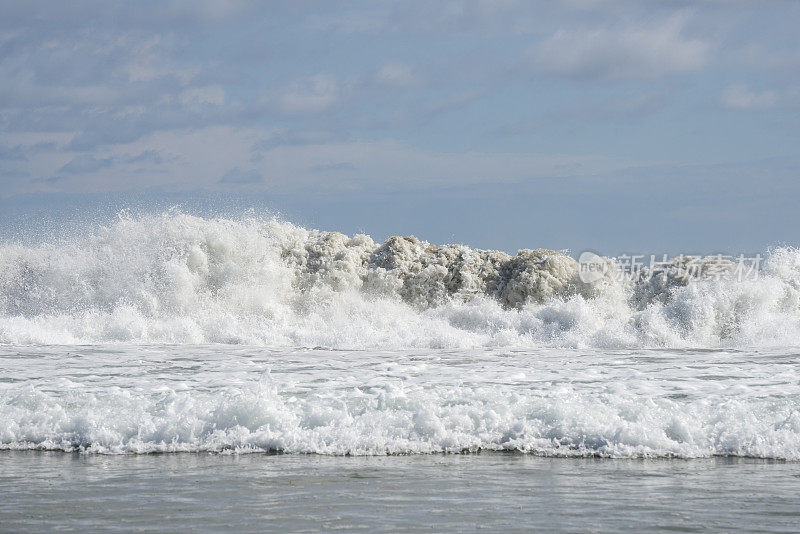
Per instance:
x=178, y=333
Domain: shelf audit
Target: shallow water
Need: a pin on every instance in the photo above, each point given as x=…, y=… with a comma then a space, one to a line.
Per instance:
x=494, y=491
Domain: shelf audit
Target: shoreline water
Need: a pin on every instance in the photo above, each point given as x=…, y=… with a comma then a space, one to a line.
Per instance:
x=513, y=492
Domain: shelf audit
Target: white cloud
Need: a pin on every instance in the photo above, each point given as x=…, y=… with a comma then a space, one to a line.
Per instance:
x=396, y=74
x=632, y=52
x=211, y=158
x=85, y=163
x=310, y=95
x=148, y=59
x=741, y=97
x=370, y=21
x=241, y=176
x=212, y=94
x=209, y=10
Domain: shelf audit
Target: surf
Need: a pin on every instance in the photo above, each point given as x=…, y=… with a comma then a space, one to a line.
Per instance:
x=177, y=278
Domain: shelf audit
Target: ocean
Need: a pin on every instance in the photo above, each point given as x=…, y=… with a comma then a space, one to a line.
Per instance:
x=179, y=372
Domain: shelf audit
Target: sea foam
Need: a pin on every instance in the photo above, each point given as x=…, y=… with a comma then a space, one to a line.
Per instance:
x=555, y=402
x=177, y=278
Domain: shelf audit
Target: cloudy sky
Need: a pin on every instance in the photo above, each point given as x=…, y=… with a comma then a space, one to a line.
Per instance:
x=614, y=126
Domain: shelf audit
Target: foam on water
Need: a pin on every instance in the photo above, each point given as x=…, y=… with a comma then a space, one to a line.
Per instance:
x=512, y=352
x=177, y=278
x=550, y=402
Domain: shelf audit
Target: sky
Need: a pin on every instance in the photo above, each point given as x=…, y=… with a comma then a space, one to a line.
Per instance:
x=612, y=126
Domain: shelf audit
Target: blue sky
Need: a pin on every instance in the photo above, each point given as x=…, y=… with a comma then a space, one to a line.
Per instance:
x=615, y=126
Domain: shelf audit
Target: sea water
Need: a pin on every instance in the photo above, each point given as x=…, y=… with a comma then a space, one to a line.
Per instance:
x=430, y=383
x=492, y=492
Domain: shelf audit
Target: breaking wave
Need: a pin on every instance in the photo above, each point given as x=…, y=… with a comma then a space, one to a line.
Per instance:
x=178, y=278
x=393, y=415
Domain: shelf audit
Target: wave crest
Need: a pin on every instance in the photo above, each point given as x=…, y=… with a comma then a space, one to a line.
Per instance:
x=177, y=278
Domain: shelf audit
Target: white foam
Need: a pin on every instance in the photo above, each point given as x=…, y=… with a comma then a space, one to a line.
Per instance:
x=177, y=278
x=557, y=402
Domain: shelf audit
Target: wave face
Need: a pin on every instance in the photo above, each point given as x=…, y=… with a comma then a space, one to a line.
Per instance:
x=177, y=278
